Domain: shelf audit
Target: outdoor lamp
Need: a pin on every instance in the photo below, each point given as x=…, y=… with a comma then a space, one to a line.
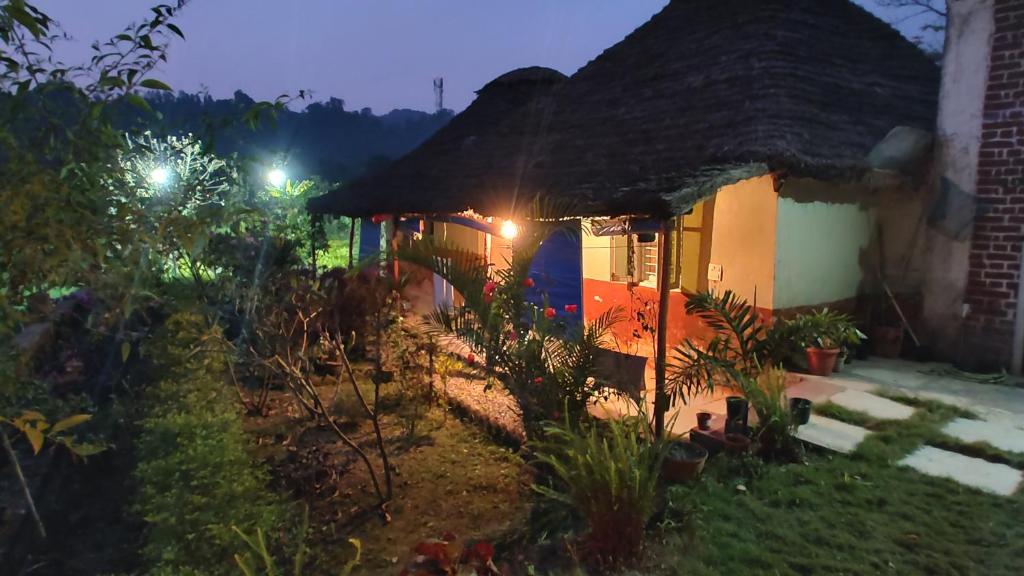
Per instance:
x=159, y=175
x=276, y=177
x=509, y=230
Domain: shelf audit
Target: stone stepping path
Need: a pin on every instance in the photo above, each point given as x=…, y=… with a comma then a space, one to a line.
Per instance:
x=1002, y=436
x=872, y=405
x=832, y=434
x=993, y=478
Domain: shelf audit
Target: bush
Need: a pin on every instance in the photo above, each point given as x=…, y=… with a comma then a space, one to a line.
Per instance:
x=609, y=476
x=196, y=479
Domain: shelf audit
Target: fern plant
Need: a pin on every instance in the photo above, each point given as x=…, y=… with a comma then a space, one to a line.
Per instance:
x=609, y=476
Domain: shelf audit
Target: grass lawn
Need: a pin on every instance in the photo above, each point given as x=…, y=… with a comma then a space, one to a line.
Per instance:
x=857, y=514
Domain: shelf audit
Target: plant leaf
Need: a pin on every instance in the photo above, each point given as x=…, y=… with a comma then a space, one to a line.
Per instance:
x=70, y=422
x=154, y=84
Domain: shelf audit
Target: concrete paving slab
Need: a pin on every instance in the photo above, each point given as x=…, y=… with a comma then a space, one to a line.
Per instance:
x=872, y=405
x=993, y=478
x=832, y=434
x=1000, y=435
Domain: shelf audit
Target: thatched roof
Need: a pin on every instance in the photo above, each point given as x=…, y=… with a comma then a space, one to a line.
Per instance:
x=706, y=93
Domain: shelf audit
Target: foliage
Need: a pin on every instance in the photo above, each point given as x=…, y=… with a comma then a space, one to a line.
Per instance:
x=741, y=347
x=196, y=478
x=37, y=430
x=257, y=545
x=609, y=477
x=547, y=363
x=445, y=556
x=775, y=426
x=824, y=329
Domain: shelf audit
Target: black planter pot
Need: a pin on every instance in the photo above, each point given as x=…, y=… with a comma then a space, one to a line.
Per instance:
x=800, y=408
x=704, y=420
x=736, y=408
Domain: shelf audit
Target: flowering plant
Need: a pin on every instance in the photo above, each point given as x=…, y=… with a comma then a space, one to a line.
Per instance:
x=546, y=363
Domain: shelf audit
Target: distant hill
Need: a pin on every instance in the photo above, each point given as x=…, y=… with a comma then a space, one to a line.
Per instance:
x=324, y=139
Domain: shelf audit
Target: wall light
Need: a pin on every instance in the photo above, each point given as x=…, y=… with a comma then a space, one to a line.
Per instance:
x=509, y=230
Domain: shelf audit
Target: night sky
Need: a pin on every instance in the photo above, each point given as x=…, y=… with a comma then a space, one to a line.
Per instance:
x=377, y=53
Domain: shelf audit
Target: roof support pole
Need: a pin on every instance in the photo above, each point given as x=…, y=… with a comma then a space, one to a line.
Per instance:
x=660, y=355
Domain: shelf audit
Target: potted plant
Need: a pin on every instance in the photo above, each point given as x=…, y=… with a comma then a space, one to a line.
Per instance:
x=823, y=334
x=850, y=339
x=683, y=461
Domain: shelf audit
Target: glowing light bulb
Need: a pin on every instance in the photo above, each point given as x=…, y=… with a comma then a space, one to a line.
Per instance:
x=276, y=177
x=159, y=175
x=509, y=230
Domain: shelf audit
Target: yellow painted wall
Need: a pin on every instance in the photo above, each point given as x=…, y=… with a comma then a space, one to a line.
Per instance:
x=597, y=262
x=822, y=247
x=743, y=240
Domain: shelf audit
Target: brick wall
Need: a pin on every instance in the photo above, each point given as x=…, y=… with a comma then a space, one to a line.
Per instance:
x=994, y=263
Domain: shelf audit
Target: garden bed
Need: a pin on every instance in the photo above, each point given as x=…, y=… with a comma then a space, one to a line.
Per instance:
x=449, y=476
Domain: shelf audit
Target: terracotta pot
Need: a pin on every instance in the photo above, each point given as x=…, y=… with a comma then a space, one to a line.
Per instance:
x=821, y=361
x=684, y=461
x=704, y=420
x=886, y=341
x=736, y=443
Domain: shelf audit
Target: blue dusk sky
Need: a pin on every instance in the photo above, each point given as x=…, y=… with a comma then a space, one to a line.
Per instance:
x=378, y=53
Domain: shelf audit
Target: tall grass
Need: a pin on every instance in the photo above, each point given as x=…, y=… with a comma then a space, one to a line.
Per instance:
x=608, y=475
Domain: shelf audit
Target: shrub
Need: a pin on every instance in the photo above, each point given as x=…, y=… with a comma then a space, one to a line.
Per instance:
x=196, y=479
x=609, y=476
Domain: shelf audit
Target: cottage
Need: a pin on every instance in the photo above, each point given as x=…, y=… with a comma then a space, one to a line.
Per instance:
x=763, y=146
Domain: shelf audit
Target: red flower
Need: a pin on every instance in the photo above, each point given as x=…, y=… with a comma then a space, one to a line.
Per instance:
x=488, y=297
x=490, y=287
x=538, y=380
x=549, y=313
x=571, y=308
x=471, y=358
x=528, y=282
x=378, y=218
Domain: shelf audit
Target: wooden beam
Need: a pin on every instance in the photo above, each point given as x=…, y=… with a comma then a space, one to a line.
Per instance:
x=660, y=392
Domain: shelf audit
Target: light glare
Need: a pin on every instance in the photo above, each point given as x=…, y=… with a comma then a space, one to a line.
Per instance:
x=509, y=230
x=159, y=175
x=276, y=177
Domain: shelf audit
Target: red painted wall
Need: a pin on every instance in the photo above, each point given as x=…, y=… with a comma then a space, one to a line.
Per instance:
x=600, y=296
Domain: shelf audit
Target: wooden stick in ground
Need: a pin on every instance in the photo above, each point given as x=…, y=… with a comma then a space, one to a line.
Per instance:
x=372, y=413
x=24, y=484
x=899, y=311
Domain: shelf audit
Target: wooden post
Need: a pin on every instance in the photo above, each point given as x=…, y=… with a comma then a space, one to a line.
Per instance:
x=393, y=250
x=660, y=392
x=351, y=241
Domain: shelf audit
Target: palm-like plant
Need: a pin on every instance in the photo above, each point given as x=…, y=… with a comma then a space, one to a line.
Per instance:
x=545, y=363
x=740, y=347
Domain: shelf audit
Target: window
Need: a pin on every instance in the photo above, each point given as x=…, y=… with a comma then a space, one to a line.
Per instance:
x=634, y=261
x=691, y=248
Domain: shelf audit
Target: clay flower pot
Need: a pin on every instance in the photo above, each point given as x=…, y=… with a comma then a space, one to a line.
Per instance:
x=684, y=461
x=822, y=361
